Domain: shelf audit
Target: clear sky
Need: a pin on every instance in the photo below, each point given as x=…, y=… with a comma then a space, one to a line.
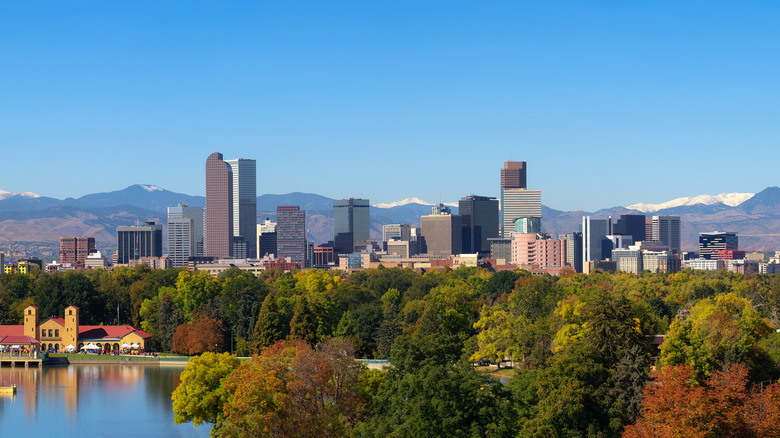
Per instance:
x=610, y=102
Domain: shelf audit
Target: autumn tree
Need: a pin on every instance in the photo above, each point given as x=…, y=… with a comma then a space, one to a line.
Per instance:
x=201, y=335
x=726, y=405
x=201, y=395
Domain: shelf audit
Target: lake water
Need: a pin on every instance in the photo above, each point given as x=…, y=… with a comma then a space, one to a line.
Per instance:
x=92, y=401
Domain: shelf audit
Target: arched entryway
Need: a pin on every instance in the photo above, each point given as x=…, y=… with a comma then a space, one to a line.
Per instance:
x=115, y=347
x=56, y=348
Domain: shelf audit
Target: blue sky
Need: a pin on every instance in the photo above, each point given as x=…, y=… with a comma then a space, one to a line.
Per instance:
x=610, y=103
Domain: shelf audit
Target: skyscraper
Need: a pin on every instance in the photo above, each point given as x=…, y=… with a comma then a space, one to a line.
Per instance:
x=196, y=215
x=666, y=229
x=136, y=241
x=593, y=230
x=442, y=234
x=631, y=225
x=244, y=200
x=519, y=203
x=291, y=233
x=219, y=207
x=350, y=223
x=181, y=240
x=516, y=200
x=711, y=243
x=480, y=223
x=74, y=250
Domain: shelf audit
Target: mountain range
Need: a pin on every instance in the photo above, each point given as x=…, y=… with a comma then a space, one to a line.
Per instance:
x=31, y=217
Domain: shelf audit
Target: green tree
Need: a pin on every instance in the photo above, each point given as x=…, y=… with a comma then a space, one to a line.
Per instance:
x=269, y=327
x=201, y=394
x=303, y=324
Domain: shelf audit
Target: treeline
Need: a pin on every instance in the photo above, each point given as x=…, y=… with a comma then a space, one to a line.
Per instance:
x=580, y=346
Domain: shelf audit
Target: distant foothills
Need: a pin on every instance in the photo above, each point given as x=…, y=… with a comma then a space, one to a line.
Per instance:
x=26, y=217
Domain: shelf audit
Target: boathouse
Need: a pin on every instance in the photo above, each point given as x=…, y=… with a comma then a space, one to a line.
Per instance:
x=56, y=334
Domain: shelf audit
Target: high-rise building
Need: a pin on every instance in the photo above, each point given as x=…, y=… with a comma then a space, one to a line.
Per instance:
x=711, y=243
x=266, y=238
x=74, y=250
x=573, y=249
x=631, y=225
x=480, y=222
x=528, y=225
x=442, y=234
x=396, y=232
x=219, y=208
x=350, y=223
x=291, y=233
x=593, y=231
x=244, y=200
x=512, y=196
x=181, y=239
x=196, y=215
x=628, y=259
x=137, y=241
x=519, y=203
x=666, y=229
x=534, y=249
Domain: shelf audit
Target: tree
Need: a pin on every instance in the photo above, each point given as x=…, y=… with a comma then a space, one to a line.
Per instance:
x=199, y=336
x=201, y=395
x=723, y=329
x=725, y=406
x=269, y=327
x=303, y=324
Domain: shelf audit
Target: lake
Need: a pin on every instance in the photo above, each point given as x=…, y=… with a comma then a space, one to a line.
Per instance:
x=93, y=401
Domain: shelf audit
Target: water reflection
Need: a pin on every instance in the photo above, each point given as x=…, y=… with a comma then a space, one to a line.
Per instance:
x=92, y=400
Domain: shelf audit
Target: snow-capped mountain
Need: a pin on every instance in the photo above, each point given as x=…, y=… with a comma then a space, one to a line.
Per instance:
x=6, y=195
x=730, y=199
x=412, y=201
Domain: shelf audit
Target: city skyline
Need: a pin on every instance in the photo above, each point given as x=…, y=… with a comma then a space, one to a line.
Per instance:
x=670, y=89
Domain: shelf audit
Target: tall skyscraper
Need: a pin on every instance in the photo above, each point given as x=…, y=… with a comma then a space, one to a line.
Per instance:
x=350, y=223
x=573, y=249
x=396, y=232
x=196, y=215
x=244, y=199
x=136, y=241
x=593, y=231
x=516, y=200
x=631, y=225
x=219, y=207
x=291, y=233
x=711, y=243
x=266, y=238
x=519, y=203
x=666, y=229
x=442, y=234
x=480, y=222
x=181, y=241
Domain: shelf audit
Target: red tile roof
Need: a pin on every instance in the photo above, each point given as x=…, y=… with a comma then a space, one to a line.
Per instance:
x=22, y=340
x=11, y=330
x=108, y=331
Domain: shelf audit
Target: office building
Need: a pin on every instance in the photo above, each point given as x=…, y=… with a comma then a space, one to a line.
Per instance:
x=573, y=249
x=631, y=225
x=612, y=241
x=74, y=250
x=324, y=256
x=518, y=203
x=137, y=241
x=479, y=216
x=350, y=223
x=441, y=209
x=244, y=201
x=628, y=259
x=402, y=248
x=513, y=180
x=396, y=232
x=181, y=238
x=540, y=251
x=266, y=238
x=197, y=216
x=442, y=234
x=593, y=231
x=658, y=261
x=218, y=235
x=667, y=230
x=291, y=233
x=501, y=249
x=711, y=243
x=96, y=260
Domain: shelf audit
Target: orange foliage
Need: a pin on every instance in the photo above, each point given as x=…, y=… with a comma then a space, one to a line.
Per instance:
x=675, y=406
x=202, y=335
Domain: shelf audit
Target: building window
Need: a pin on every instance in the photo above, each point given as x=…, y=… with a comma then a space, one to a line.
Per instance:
x=70, y=312
x=29, y=312
x=49, y=332
x=56, y=333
